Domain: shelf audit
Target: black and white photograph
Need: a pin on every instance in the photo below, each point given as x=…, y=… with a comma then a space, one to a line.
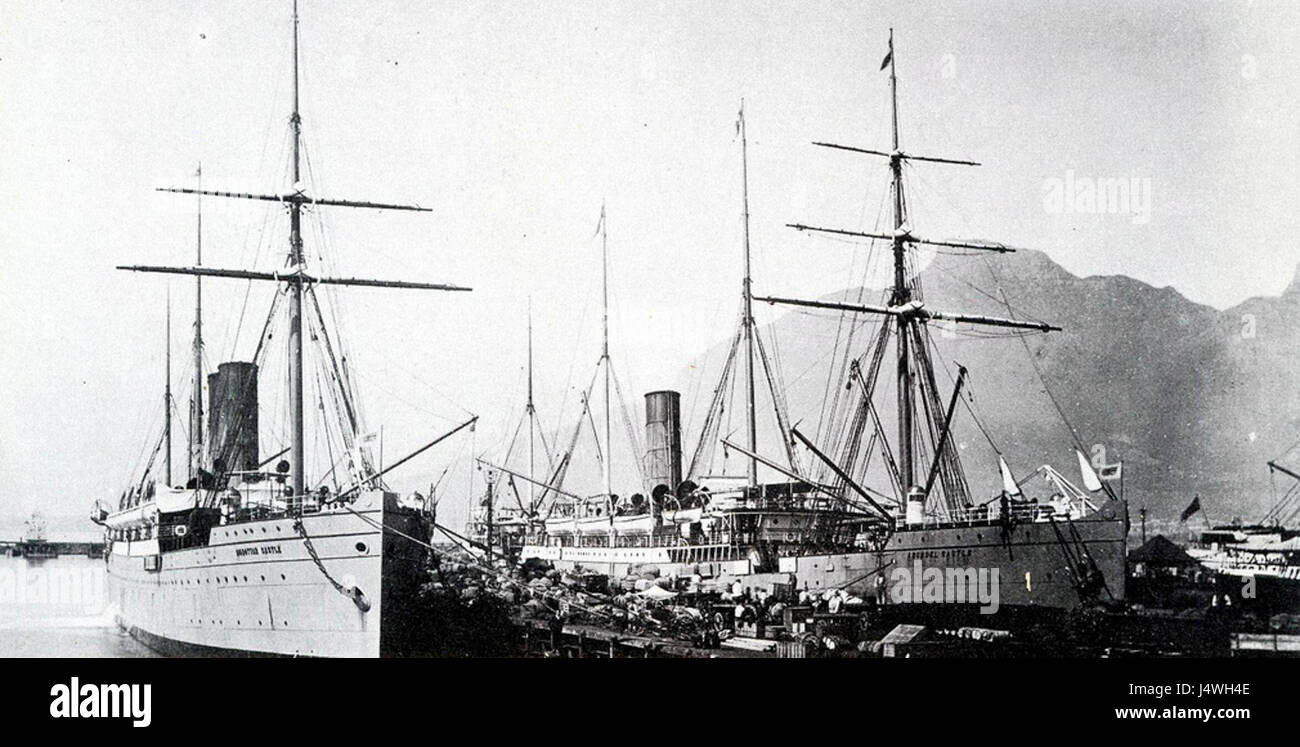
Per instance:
x=965, y=332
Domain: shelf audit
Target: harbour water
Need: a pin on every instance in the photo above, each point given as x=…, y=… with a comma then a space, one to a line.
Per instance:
x=59, y=607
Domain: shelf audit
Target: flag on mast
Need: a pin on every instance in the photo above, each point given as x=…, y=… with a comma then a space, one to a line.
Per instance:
x=889, y=56
x=1009, y=485
x=1192, y=508
x=1111, y=471
x=1090, y=479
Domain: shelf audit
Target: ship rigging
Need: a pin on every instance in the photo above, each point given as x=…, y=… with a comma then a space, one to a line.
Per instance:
x=298, y=285
x=243, y=560
x=924, y=422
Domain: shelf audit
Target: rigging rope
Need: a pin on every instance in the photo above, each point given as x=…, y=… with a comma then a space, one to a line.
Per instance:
x=848, y=446
x=779, y=405
x=637, y=449
x=503, y=577
x=708, y=434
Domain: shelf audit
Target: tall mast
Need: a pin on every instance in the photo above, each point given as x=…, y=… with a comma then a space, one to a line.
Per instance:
x=167, y=393
x=296, y=260
x=901, y=293
x=751, y=432
x=906, y=313
x=297, y=279
x=196, y=401
x=532, y=418
x=604, y=357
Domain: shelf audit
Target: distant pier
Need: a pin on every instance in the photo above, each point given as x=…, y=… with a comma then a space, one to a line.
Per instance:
x=48, y=549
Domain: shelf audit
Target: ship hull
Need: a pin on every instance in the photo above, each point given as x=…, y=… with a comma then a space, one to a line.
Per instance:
x=1028, y=562
x=36, y=550
x=1268, y=591
x=708, y=560
x=256, y=590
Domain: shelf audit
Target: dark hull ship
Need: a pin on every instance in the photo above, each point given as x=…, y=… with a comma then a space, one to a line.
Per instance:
x=824, y=528
x=249, y=559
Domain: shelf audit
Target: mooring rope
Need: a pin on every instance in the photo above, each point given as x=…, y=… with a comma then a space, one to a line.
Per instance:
x=502, y=577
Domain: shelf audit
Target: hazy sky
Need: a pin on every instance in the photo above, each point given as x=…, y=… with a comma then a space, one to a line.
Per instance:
x=513, y=121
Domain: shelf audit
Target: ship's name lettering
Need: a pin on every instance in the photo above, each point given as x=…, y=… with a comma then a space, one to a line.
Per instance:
x=932, y=554
x=262, y=550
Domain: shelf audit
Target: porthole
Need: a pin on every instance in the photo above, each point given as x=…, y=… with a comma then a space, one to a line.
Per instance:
x=361, y=547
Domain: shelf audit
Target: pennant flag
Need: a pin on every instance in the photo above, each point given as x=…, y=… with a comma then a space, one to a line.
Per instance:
x=1009, y=485
x=889, y=56
x=1192, y=508
x=1090, y=479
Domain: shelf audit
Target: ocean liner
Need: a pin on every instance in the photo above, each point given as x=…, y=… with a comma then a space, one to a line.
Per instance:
x=247, y=558
x=826, y=528
x=683, y=523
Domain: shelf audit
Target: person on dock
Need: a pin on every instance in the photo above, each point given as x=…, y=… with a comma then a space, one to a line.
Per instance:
x=836, y=602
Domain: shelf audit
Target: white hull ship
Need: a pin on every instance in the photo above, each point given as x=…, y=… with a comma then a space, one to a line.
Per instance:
x=1258, y=564
x=823, y=529
x=322, y=582
x=246, y=560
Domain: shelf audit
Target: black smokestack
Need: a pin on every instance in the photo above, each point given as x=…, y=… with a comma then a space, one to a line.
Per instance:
x=232, y=417
x=663, y=429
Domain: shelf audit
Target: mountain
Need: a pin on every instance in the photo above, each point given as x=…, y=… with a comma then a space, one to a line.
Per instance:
x=1193, y=400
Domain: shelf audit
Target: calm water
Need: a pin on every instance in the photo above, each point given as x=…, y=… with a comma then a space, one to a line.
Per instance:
x=59, y=607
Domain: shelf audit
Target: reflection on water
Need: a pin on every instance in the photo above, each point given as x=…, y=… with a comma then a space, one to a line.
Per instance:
x=59, y=607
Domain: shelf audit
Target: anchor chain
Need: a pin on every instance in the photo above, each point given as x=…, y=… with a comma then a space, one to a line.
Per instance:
x=355, y=594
